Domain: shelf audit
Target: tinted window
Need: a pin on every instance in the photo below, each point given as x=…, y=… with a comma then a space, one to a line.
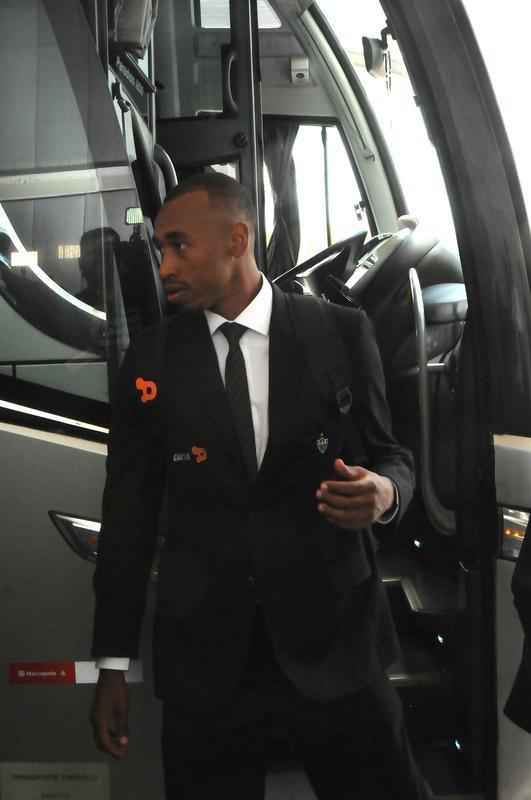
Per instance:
x=53, y=91
x=66, y=252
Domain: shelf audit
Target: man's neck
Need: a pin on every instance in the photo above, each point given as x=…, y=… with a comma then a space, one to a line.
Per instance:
x=233, y=305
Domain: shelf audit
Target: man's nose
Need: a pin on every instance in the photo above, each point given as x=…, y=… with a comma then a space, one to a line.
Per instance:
x=167, y=267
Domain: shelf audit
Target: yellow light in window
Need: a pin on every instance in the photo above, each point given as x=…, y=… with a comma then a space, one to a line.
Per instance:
x=65, y=251
x=514, y=534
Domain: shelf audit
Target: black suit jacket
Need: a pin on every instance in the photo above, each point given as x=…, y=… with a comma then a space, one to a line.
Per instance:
x=230, y=542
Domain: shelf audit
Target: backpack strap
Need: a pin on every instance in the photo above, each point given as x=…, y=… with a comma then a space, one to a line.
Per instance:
x=317, y=331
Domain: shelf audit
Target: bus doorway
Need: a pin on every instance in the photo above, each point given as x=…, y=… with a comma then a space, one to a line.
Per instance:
x=373, y=146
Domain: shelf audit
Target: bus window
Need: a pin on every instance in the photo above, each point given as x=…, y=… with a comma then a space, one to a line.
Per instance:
x=508, y=74
x=312, y=197
x=65, y=190
x=217, y=15
x=393, y=99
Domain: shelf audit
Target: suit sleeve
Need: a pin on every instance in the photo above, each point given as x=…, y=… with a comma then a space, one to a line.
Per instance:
x=130, y=511
x=373, y=417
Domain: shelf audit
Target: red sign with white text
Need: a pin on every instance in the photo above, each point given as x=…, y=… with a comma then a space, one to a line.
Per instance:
x=42, y=672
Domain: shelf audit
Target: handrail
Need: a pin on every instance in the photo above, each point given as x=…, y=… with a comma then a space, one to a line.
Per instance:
x=442, y=518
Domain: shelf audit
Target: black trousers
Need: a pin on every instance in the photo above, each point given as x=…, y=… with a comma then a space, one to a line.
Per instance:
x=353, y=747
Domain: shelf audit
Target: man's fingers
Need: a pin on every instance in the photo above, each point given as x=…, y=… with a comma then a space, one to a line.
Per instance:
x=345, y=501
x=347, y=519
x=110, y=716
x=109, y=743
x=348, y=473
x=347, y=488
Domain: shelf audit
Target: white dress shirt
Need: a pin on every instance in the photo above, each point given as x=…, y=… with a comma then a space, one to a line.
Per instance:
x=254, y=344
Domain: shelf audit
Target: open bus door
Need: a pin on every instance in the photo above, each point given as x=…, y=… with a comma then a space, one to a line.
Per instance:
x=489, y=422
x=456, y=98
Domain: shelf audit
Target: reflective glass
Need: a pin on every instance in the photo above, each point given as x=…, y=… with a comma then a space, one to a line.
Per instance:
x=216, y=14
x=66, y=253
x=53, y=91
x=400, y=119
x=188, y=62
x=508, y=66
x=54, y=255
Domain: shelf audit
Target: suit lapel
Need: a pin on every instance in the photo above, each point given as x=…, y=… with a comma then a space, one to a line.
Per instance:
x=198, y=403
x=285, y=369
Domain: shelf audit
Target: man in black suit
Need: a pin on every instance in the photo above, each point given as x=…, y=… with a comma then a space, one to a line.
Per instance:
x=270, y=616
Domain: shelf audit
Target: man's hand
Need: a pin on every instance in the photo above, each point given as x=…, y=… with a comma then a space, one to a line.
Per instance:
x=357, y=499
x=109, y=716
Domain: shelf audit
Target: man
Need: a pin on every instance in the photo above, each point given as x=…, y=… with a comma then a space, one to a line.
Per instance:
x=270, y=616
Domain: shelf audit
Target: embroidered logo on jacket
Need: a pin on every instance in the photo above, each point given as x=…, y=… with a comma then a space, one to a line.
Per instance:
x=200, y=454
x=148, y=390
x=322, y=443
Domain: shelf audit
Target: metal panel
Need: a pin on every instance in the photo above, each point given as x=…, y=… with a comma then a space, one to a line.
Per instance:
x=87, y=380
x=513, y=471
x=30, y=186
x=514, y=744
x=48, y=589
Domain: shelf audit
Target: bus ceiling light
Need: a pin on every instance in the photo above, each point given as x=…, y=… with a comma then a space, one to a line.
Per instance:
x=27, y=258
x=514, y=527
x=134, y=216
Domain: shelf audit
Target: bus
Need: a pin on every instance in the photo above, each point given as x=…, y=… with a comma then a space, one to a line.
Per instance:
x=373, y=143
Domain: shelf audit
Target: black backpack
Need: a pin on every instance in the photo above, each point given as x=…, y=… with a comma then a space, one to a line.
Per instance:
x=318, y=333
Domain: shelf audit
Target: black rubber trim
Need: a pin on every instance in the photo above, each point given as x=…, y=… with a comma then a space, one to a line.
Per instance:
x=361, y=97
x=52, y=401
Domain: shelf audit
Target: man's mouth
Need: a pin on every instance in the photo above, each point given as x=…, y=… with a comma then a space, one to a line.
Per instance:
x=174, y=292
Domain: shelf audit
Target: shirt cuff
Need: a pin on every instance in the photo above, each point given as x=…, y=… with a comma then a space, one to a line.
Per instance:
x=113, y=663
x=391, y=513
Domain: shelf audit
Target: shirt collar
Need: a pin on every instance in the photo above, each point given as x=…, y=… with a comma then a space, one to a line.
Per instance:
x=256, y=316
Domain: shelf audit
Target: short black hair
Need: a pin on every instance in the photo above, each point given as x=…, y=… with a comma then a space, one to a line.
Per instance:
x=222, y=191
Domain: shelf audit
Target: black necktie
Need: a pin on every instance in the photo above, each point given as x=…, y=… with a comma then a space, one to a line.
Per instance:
x=238, y=393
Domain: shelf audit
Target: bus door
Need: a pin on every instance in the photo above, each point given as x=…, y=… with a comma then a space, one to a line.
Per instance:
x=457, y=100
x=76, y=282
x=208, y=101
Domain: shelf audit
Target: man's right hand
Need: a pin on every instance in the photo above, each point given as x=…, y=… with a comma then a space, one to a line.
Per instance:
x=109, y=716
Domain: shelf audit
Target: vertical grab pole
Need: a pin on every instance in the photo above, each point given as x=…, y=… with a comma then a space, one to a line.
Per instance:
x=442, y=519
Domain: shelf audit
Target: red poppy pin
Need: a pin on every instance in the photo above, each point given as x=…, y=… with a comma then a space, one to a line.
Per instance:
x=148, y=390
x=200, y=454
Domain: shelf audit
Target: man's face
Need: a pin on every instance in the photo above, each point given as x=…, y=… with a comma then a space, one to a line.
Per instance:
x=195, y=240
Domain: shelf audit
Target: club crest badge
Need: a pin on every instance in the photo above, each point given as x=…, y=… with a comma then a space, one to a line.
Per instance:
x=322, y=443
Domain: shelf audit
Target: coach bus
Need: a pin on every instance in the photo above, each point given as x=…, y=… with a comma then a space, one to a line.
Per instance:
x=385, y=145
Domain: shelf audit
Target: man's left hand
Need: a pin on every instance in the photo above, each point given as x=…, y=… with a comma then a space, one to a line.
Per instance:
x=356, y=499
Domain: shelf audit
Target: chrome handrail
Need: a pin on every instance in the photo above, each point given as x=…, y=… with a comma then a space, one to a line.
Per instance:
x=442, y=518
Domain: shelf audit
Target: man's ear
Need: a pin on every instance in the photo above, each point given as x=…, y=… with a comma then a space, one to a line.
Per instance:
x=239, y=239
